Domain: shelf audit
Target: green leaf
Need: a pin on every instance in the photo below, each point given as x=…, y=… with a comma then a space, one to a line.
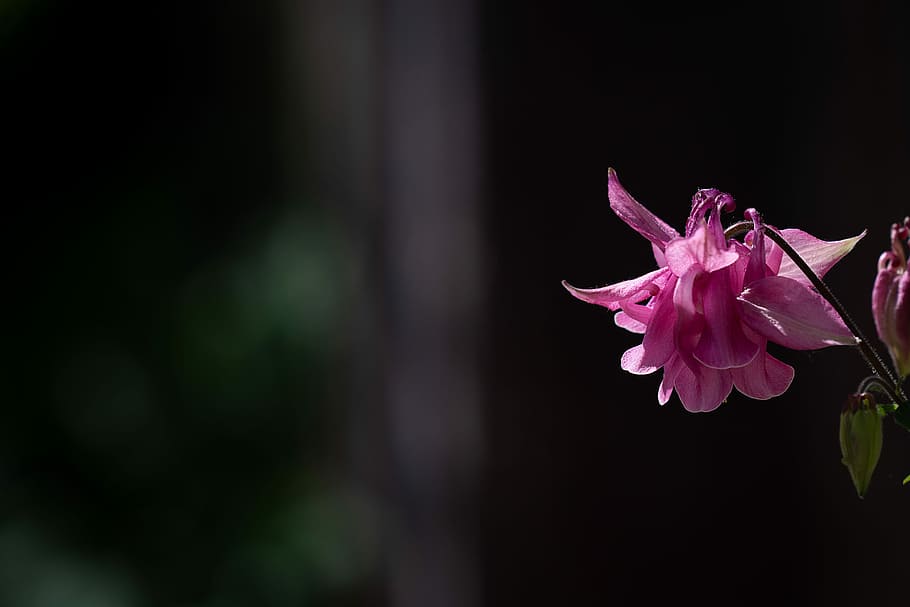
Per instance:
x=887, y=408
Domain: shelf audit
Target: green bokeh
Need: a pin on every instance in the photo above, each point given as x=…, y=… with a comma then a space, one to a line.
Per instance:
x=173, y=387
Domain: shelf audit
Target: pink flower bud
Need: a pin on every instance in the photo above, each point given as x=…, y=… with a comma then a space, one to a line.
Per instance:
x=891, y=298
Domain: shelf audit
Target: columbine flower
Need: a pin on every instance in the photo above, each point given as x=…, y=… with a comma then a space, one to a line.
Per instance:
x=713, y=304
x=891, y=298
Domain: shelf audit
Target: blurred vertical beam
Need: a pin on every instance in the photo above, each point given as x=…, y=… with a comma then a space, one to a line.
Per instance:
x=431, y=154
x=333, y=119
x=392, y=90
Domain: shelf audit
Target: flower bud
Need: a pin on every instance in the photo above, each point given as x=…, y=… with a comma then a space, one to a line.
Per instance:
x=891, y=298
x=860, y=439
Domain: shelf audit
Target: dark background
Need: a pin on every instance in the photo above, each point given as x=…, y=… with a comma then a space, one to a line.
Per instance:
x=224, y=384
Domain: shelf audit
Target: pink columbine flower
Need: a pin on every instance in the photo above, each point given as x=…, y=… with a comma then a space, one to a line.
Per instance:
x=891, y=298
x=709, y=309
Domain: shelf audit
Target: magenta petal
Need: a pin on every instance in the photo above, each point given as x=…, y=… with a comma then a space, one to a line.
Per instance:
x=659, y=338
x=821, y=255
x=631, y=361
x=611, y=296
x=756, y=269
x=774, y=257
x=902, y=324
x=671, y=369
x=787, y=313
x=723, y=345
x=628, y=323
x=891, y=310
x=689, y=322
x=659, y=256
x=702, y=389
x=636, y=216
x=883, y=297
x=738, y=270
x=698, y=249
x=639, y=312
x=900, y=349
x=763, y=378
x=633, y=317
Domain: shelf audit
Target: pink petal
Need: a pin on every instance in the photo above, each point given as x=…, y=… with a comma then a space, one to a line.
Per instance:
x=773, y=253
x=632, y=361
x=883, y=295
x=900, y=349
x=763, y=378
x=700, y=249
x=636, y=216
x=738, y=269
x=757, y=268
x=671, y=369
x=659, y=256
x=774, y=257
x=659, y=339
x=639, y=312
x=611, y=296
x=891, y=311
x=702, y=389
x=689, y=321
x=723, y=345
x=633, y=317
x=792, y=315
x=628, y=323
x=821, y=255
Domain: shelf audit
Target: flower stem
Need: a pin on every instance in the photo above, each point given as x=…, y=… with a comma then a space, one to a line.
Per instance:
x=873, y=381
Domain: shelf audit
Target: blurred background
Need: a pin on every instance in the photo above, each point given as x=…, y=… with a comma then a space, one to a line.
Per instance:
x=284, y=318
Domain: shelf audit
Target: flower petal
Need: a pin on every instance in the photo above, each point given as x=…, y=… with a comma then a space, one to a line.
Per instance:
x=901, y=349
x=611, y=296
x=757, y=268
x=628, y=323
x=689, y=320
x=659, y=256
x=702, y=389
x=671, y=369
x=659, y=341
x=883, y=296
x=891, y=311
x=774, y=257
x=632, y=361
x=792, y=315
x=700, y=249
x=765, y=377
x=723, y=344
x=636, y=216
x=633, y=317
x=821, y=255
x=773, y=253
